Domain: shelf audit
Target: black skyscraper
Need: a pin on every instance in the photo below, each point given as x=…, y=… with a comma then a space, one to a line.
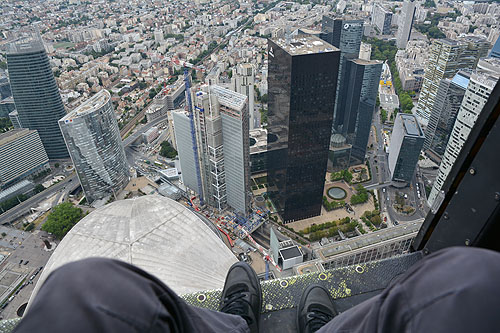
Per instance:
x=302, y=87
x=357, y=100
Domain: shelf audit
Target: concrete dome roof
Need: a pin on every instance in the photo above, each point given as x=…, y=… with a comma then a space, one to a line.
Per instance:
x=155, y=233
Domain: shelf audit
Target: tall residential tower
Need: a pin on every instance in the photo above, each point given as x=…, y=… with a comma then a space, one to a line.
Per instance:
x=480, y=86
x=405, y=23
x=444, y=112
x=446, y=58
x=242, y=82
x=382, y=18
x=221, y=126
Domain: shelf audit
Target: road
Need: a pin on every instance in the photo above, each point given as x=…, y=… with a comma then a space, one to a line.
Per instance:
x=134, y=136
x=25, y=206
x=32, y=202
x=34, y=255
x=381, y=180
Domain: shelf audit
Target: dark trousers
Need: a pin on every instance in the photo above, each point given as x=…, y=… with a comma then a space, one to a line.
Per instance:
x=454, y=290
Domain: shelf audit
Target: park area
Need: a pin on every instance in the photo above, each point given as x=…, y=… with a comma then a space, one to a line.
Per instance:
x=359, y=201
x=63, y=45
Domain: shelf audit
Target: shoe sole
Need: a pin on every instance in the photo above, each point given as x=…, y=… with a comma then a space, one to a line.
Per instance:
x=250, y=272
x=304, y=297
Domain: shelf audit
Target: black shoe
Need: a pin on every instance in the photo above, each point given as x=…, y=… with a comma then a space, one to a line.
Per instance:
x=315, y=309
x=242, y=295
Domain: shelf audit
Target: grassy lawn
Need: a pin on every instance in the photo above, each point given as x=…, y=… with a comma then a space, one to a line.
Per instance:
x=64, y=45
x=261, y=180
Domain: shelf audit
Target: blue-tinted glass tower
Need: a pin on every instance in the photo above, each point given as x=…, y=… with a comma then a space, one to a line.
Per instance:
x=36, y=95
x=495, y=51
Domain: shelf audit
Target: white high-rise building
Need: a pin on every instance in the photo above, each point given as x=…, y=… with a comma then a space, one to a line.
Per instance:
x=405, y=23
x=158, y=35
x=243, y=82
x=182, y=129
x=382, y=18
x=481, y=84
x=210, y=146
x=446, y=58
x=221, y=127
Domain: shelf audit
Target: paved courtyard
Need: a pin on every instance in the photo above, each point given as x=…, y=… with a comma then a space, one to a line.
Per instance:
x=337, y=213
x=348, y=189
x=34, y=255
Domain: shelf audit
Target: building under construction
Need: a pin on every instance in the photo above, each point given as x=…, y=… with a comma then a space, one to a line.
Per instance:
x=221, y=141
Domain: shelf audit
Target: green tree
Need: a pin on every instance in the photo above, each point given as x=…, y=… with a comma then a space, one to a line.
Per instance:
x=363, y=173
x=383, y=115
x=361, y=196
x=39, y=188
x=167, y=150
x=12, y=202
x=429, y=4
x=62, y=218
x=5, y=125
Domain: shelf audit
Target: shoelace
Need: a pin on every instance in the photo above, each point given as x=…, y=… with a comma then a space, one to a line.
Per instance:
x=235, y=304
x=317, y=319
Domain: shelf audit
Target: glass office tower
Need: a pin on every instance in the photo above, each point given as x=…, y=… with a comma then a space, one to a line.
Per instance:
x=302, y=85
x=36, y=95
x=449, y=98
x=94, y=143
x=357, y=104
x=345, y=34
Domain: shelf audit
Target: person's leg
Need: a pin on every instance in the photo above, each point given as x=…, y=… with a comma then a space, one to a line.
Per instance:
x=104, y=295
x=315, y=309
x=452, y=290
x=242, y=295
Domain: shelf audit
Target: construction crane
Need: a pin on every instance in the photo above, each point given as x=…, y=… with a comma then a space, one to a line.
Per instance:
x=189, y=104
x=245, y=233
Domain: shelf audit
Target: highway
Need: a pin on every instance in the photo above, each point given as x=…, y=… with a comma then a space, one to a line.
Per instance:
x=132, y=137
x=32, y=202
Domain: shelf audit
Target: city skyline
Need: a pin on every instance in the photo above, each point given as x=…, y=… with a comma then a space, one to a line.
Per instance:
x=290, y=130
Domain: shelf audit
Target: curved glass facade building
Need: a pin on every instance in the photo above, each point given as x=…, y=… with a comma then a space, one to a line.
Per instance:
x=36, y=95
x=95, y=146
